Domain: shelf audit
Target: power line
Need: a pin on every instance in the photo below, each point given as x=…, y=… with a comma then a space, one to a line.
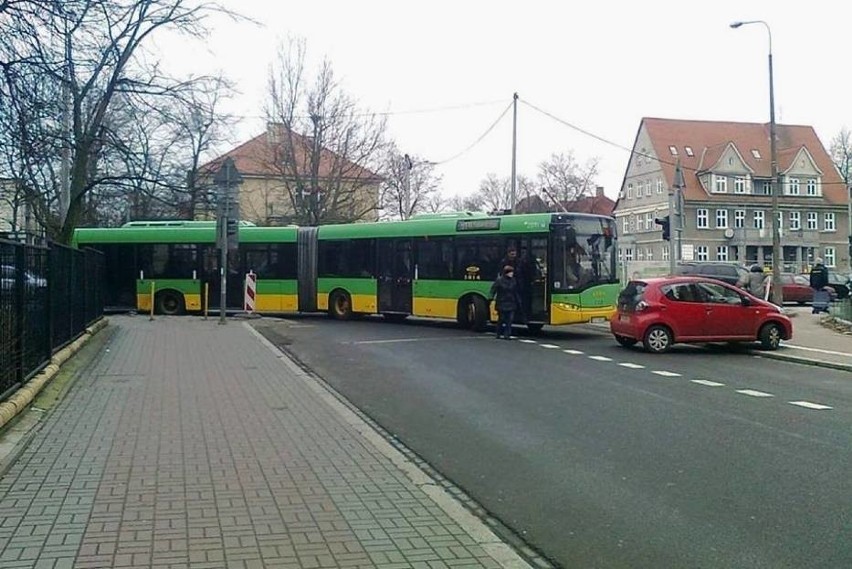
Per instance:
x=423, y=111
x=478, y=140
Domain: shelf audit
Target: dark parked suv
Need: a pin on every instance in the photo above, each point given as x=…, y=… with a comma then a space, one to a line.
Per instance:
x=730, y=273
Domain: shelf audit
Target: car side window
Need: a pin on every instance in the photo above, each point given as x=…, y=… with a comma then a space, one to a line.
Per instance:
x=682, y=293
x=718, y=294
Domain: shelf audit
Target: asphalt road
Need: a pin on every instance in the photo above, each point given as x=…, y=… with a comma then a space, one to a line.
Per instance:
x=601, y=456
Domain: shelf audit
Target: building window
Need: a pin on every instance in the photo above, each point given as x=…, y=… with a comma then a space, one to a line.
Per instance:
x=766, y=188
x=648, y=187
x=739, y=185
x=688, y=150
x=830, y=256
x=628, y=254
x=701, y=253
x=640, y=254
x=649, y=254
x=649, y=221
x=812, y=187
x=721, y=219
x=659, y=185
x=756, y=153
x=722, y=253
x=794, y=187
x=673, y=150
x=701, y=219
x=665, y=253
x=720, y=185
x=629, y=191
x=795, y=221
x=625, y=226
x=632, y=224
x=828, y=222
x=739, y=218
x=758, y=219
x=813, y=224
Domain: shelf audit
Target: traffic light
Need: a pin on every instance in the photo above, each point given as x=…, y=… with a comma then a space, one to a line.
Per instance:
x=664, y=221
x=232, y=227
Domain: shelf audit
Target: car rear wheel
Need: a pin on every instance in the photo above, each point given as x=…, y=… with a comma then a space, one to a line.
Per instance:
x=770, y=336
x=625, y=341
x=658, y=339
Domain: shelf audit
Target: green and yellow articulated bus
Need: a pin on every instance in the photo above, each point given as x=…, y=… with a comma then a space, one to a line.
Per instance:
x=436, y=266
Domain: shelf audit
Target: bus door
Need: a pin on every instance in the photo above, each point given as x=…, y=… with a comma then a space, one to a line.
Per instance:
x=395, y=275
x=212, y=276
x=537, y=251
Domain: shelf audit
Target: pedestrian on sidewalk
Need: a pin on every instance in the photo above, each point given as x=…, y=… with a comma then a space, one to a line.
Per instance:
x=819, y=280
x=755, y=281
x=504, y=293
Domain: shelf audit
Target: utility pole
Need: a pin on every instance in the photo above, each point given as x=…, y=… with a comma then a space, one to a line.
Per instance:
x=514, y=150
x=406, y=198
x=65, y=159
x=227, y=179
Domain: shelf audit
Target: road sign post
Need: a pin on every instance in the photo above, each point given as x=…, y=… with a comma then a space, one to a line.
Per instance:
x=228, y=180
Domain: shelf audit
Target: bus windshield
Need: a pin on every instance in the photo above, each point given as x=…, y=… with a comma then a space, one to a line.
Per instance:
x=583, y=254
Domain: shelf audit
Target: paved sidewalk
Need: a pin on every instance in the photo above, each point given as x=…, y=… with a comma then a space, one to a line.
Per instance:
x=189, y=444
x=813, y=343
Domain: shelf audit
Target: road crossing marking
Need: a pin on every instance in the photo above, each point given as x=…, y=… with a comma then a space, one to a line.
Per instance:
x=631, y=366
x=754, y=393
x=573, y=352
x=600, y=358
x=707, y=382
x=809, y=405
x=526, y=341
x=549, y=346
x=666, y=373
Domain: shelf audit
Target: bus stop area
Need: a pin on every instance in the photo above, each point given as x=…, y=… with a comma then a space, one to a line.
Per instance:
x=183, y=443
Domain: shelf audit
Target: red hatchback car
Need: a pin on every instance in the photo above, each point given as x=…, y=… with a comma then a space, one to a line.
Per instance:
x=663, y=311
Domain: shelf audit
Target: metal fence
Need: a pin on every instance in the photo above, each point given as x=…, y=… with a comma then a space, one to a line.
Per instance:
x=842, y=309
x=48, y=295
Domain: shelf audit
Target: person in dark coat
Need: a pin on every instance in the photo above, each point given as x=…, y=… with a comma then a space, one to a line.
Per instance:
x=522, y=276
x=819, y=280
x=504, y=293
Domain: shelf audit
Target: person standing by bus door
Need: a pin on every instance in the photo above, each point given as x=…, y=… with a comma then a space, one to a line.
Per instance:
x=818, y=281
x=522, y=280
x=504, y=293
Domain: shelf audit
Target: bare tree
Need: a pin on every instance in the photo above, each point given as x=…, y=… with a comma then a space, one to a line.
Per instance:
x=564, y=180
x=73, y=60
x=841, y=154
x=325, y=148
x=409, y=185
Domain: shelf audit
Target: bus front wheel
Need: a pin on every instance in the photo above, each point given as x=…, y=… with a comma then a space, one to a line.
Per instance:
x=473, y=313
x=340, y=305
x=169, y=303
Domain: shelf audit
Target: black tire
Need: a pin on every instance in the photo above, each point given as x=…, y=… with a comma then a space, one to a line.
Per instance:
x=625, y=341
x=770, y=336
x=340, y=305
x=658, y=339
x=395, y=317
x=170, y=303
x=534, y=327
x=801, y=302
x=473, y=313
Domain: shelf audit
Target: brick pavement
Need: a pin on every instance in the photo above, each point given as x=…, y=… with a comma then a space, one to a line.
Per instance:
x=188, y=444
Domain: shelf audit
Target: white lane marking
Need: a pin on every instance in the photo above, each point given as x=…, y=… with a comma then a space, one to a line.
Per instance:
x=549, y=346
x=818, y=350
x=573, y=352
x=631, y=366
x=666, y=373
x=525, y=341
x=754, y=393
x=600, y=358
x=707, y=382
x=809, y=405
x=399, y=340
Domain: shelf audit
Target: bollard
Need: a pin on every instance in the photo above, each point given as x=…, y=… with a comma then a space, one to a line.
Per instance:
x=151, y=317
x=206, y=299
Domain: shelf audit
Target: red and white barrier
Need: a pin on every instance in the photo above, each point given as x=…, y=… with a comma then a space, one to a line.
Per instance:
x=250, y=291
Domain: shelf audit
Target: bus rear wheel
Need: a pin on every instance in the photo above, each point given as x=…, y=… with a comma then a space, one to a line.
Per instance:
x=473, y=313
x=340, y=305
x=169, y=303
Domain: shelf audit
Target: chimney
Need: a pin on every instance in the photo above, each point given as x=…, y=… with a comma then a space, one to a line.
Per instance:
x=599, y=191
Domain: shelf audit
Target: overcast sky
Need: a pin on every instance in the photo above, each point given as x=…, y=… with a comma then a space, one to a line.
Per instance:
x=601, y=66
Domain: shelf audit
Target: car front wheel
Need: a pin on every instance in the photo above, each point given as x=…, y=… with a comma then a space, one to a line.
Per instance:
x=770, y=336
x=658, y=339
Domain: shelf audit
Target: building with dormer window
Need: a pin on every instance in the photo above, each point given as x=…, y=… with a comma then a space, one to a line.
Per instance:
x=726, y=201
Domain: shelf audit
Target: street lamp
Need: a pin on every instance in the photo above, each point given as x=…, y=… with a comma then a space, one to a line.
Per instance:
x=777, y=292
x=408, y=165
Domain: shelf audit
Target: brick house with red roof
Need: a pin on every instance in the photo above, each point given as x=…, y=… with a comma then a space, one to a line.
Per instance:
x=277, y=183
x=727, y=195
